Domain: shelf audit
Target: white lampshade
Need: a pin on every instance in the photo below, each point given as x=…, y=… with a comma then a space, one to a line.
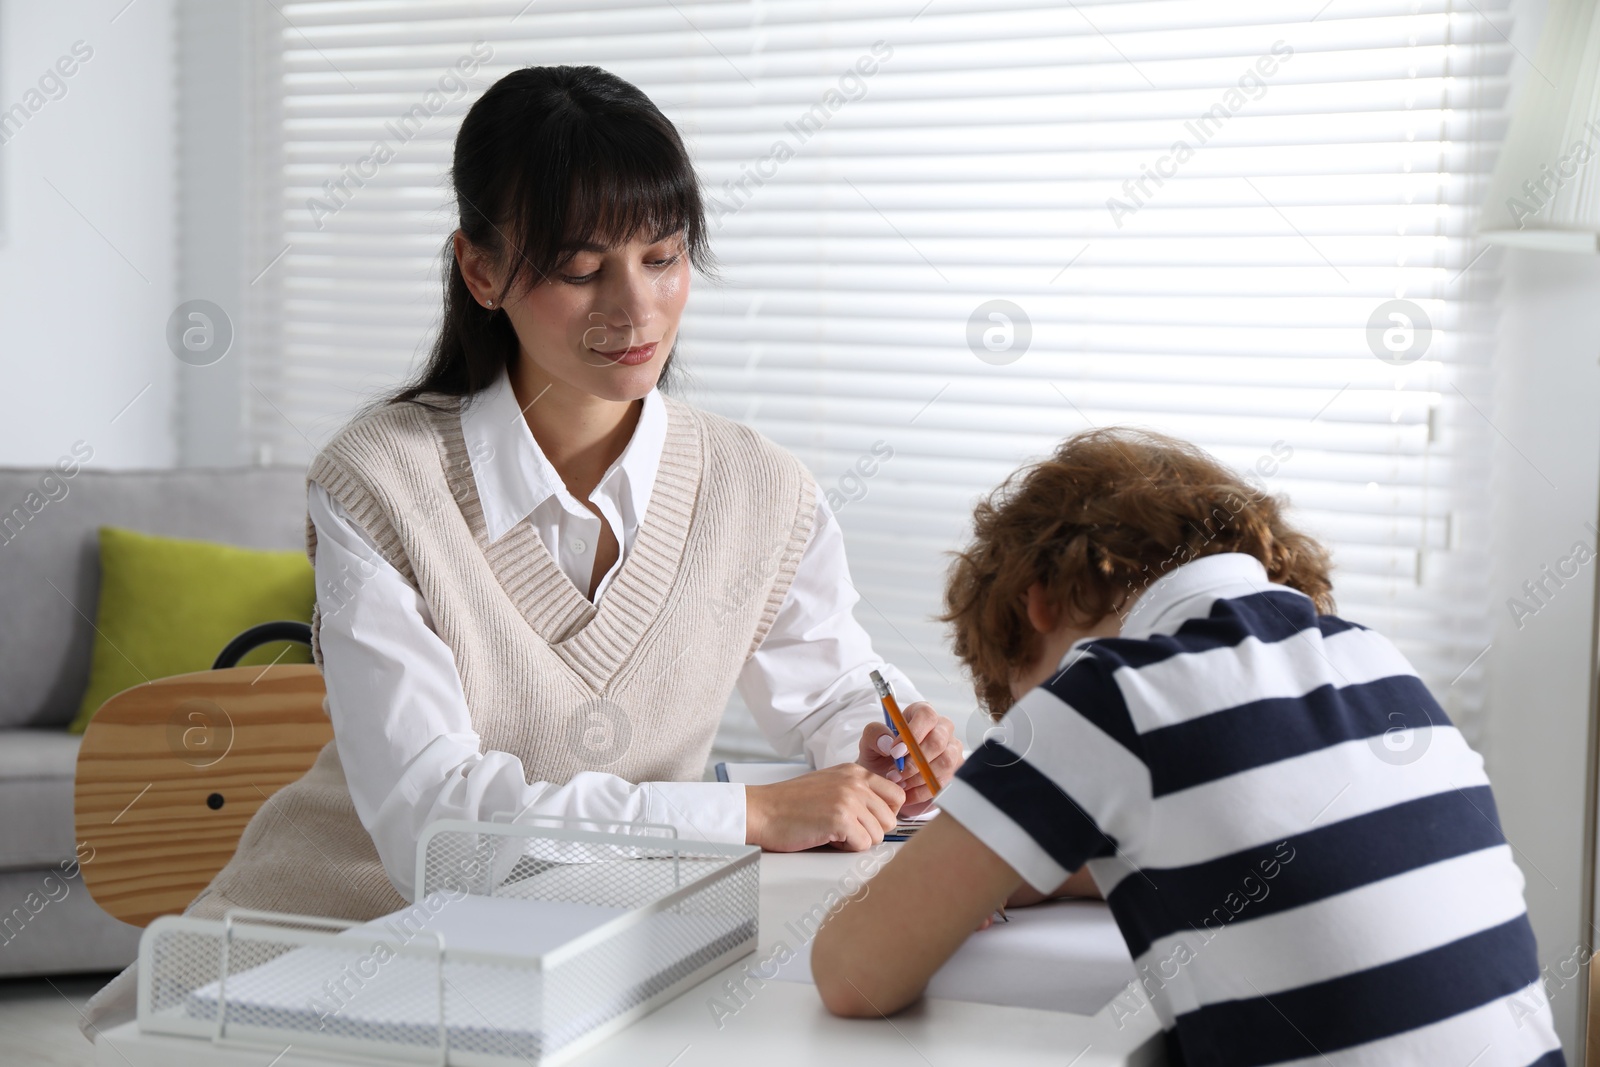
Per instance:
x=1545, y=192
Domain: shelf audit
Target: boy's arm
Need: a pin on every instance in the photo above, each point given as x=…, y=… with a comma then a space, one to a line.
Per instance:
x=876, y=954
x=1079, y=885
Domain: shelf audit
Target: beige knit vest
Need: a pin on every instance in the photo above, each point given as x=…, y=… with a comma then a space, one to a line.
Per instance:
x=633, y=686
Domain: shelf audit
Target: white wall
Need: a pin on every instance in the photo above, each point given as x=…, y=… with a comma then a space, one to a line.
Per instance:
x=86, y=273
x=213, y=113
x=1547, y=405
x=1536, y=740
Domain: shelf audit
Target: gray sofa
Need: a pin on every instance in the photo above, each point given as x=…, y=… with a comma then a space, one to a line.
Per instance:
x=49, y=587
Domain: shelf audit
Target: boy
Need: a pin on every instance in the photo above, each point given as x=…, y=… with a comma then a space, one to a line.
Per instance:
x=1299, y=849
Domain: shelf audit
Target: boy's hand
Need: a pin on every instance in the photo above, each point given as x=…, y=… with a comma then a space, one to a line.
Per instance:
x=845, y=806
x=936, y=736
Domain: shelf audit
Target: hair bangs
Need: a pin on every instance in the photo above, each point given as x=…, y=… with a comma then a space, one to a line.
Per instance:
x=623, y=182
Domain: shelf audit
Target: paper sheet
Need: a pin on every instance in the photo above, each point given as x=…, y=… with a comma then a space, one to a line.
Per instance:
x=760, y=773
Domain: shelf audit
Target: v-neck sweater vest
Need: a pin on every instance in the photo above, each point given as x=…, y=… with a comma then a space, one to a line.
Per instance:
x=633, y=686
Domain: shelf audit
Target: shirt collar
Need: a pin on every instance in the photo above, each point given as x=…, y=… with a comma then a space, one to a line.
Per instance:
x=513, y=476
x=1161, y=607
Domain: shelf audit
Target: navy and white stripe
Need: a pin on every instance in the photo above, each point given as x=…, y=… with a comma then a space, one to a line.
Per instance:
x=1292, y=888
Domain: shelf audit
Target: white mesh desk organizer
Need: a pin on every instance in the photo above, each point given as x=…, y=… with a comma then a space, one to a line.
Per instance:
x=527, y=944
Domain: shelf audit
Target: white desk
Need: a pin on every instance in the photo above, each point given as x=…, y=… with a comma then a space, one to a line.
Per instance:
x=780, y=1024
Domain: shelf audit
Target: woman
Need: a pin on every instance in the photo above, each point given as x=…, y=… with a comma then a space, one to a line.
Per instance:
x=538, y=578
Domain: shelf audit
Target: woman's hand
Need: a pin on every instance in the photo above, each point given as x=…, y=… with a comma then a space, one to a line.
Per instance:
x=936, y=736
x=846, y=806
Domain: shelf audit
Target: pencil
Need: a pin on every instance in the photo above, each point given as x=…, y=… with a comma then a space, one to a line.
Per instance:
x=904, y=728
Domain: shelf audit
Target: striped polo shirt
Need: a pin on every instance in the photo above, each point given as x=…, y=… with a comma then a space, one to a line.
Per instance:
x=1299, y=848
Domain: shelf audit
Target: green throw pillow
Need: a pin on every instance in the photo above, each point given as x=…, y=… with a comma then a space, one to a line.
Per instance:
x=168, y=606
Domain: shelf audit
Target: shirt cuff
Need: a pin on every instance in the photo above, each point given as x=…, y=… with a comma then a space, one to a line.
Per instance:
x=1002, y=836
x=700, y=811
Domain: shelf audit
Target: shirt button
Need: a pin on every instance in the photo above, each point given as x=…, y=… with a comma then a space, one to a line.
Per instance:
x=579, y=546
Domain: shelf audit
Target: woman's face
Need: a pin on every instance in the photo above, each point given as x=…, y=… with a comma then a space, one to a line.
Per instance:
x=603, y=322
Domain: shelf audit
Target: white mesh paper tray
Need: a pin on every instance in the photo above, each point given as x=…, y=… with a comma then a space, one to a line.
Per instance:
x=526, y=945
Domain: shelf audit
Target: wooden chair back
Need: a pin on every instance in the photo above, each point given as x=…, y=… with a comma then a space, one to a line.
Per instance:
x=170, y=772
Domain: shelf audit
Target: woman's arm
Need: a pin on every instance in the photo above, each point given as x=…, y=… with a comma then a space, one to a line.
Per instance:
x=807, y=684
x=405, y=737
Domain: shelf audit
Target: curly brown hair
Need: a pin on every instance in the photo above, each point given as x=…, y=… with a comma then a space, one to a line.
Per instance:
x=1109, y=512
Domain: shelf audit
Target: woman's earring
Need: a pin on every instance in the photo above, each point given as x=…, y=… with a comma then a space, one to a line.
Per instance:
x=488, y=303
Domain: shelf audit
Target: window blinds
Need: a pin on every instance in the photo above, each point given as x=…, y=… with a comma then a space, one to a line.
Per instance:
x=955, y=231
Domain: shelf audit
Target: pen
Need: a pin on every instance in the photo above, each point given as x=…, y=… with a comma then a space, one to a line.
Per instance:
x=897, y=722
x=899, y=761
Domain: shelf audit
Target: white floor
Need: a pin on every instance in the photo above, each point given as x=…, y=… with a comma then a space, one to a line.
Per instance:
x=39, y=1020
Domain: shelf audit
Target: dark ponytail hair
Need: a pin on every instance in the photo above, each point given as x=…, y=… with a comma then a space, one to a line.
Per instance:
x=548, y=156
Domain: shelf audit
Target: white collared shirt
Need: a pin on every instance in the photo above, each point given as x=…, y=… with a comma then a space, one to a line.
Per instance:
x=400, y=717
x=516, y=481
